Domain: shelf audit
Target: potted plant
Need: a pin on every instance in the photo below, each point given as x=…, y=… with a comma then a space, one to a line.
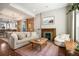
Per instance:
x=74, y=7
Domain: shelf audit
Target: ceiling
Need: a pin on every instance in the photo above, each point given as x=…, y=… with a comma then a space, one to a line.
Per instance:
x=9, y=12
x=16, y=10
x=35, y=8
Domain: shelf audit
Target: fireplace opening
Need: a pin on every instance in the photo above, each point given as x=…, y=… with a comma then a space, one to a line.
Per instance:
x=47, y=35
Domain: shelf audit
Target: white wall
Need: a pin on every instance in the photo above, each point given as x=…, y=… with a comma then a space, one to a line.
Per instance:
x=60, y=20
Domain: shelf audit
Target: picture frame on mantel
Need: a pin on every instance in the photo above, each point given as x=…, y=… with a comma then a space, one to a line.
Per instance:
x=48, y=20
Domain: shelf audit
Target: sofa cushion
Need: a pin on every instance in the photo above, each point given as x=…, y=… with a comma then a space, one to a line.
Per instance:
x=23, y=41
x=62, y=38
x=28, y=34
x=34, y=35
x=21, y=36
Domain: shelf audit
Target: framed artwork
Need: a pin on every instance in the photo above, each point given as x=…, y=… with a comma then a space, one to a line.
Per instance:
x=48, y=20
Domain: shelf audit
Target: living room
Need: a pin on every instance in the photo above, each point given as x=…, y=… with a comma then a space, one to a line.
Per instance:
x=37, y=29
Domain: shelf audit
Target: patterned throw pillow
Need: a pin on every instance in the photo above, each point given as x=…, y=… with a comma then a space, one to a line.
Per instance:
x=26, y=35
x=20, y=36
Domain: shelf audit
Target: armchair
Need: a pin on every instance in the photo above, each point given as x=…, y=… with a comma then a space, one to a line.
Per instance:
x=60, y=39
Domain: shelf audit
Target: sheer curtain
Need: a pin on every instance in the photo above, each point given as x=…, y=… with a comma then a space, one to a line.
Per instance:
x=77, y=26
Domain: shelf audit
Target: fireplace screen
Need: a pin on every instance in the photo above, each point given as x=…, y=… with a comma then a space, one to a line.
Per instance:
x=47, y=35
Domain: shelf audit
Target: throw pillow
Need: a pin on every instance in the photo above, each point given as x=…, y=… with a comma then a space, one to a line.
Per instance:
x=21, y=36
x=26, y=35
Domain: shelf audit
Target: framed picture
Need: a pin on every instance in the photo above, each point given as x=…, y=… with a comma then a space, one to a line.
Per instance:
x=48, y=20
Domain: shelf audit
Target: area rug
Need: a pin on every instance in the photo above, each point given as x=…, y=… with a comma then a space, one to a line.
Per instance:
x=49, y=50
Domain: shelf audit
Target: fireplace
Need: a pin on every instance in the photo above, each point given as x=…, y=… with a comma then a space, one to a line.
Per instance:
x=49, y=33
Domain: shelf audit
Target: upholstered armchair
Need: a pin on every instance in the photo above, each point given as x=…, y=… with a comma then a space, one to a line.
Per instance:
x=60, y=39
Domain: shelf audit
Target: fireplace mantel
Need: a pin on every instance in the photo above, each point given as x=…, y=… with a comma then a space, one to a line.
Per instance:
x=52, y=30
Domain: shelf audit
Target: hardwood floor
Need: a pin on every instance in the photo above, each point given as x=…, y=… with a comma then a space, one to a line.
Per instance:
x=49, y=50
x=5, y=50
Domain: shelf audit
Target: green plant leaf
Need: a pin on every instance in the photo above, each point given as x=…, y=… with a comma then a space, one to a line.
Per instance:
x=74, y=6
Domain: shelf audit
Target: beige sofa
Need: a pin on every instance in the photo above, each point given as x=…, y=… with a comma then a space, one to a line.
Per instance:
x=19, y=39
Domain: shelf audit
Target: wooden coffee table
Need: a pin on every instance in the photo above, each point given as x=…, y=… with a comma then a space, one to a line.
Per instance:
x=40, y=42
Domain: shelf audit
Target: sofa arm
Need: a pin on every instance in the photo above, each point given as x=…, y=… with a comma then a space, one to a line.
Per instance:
x=13, y=40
